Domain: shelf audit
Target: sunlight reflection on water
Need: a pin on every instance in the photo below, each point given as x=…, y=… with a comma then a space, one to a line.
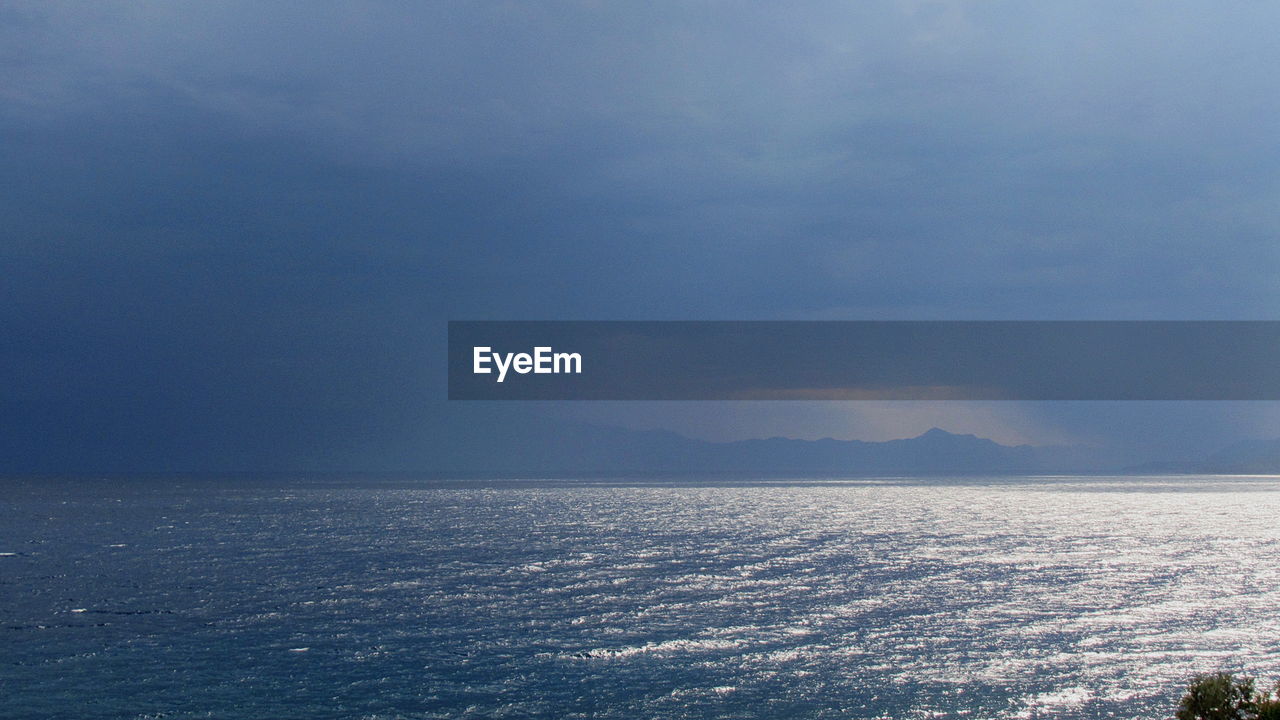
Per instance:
x=1033, y=597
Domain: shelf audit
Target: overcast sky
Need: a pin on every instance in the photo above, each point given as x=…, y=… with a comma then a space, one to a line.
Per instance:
x=234, y=231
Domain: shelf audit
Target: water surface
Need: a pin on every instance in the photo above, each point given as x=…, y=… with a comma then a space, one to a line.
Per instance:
x=894, y=598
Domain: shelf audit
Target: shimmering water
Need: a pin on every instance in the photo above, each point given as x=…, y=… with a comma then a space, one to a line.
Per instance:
x=979, y=598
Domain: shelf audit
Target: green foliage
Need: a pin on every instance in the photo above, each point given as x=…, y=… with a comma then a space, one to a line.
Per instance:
x=1222, y=696
x=1266, y=706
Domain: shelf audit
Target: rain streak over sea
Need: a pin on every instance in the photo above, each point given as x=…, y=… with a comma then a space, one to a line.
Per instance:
x=890, y=598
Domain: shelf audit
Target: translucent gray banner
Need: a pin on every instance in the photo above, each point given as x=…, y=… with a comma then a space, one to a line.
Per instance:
x=864, y=360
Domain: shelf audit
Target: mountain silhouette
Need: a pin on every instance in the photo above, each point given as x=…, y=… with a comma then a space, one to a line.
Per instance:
x=580, y=450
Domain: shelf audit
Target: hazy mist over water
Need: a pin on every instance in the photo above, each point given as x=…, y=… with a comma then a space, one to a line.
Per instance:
x=994, y=598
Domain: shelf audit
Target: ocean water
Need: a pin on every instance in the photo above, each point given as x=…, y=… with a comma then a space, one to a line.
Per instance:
x=891, y=598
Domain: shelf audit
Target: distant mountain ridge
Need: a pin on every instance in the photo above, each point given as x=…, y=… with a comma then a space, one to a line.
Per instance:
x=587, y=450
x=1247, y=457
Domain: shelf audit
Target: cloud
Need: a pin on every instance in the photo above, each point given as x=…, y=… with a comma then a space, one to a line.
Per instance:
x=233, y=185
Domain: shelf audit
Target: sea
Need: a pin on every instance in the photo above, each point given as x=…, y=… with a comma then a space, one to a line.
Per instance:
x=1027, y=597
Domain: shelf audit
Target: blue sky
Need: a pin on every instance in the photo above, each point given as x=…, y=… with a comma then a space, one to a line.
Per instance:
x=234, y=232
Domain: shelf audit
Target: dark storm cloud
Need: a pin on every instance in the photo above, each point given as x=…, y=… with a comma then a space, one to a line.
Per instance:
x=234, y=232
x=908, y=158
